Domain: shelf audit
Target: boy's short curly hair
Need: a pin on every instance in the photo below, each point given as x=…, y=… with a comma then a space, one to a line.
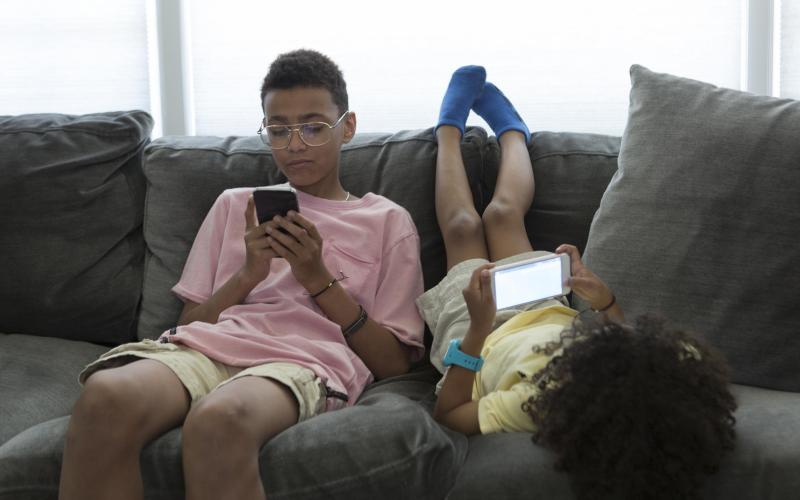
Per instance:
x=634, y=413
x=306, y=68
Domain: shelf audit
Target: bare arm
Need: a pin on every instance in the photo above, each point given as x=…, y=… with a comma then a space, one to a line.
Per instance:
x=380, y=350
x=234, y=291
x=454, y=406
x=384, y=355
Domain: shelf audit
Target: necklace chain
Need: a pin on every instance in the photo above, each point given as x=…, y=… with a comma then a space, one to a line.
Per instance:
x=347, y=197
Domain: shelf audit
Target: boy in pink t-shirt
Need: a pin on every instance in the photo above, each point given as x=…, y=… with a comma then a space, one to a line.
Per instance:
x=281, y=320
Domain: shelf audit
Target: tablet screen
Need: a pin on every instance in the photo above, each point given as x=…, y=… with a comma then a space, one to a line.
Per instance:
x=528, y=282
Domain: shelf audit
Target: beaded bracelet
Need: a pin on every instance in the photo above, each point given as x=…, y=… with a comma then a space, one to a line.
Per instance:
x=355, y=325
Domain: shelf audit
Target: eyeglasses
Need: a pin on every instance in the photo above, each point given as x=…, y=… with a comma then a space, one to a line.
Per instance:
x=312, y=133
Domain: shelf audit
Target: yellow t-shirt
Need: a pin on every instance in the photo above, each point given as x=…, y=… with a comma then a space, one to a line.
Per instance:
x=502, y=385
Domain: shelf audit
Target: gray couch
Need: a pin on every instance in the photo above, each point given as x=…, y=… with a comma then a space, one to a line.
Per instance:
x=96, y=224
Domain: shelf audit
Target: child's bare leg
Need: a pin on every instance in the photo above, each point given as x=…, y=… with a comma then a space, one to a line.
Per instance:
x=504, y=217
x=458, y=220
x=224, y=432
x=118, y=412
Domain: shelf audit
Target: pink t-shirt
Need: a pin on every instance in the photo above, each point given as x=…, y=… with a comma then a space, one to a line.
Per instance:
x=372, y=241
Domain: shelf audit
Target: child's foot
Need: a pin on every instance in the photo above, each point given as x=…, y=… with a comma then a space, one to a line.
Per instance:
x=499, y=113
x=465, y=86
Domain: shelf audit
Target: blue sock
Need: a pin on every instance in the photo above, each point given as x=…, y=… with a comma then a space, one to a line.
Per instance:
x=465, y=85
x=494, y=107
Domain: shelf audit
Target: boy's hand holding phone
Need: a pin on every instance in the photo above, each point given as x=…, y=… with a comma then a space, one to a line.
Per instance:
x=259, y=252
x=297, y=240
x=291, y=236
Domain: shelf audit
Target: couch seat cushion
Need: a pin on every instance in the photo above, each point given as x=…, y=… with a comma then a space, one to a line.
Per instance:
x=763, y=465
x=387, y=446
x=39, y=379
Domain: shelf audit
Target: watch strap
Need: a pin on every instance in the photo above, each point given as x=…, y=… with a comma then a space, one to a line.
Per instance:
x=455, y=356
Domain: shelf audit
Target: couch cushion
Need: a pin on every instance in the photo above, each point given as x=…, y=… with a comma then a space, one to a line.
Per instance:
x=767, y=455
x=386, y=446
x=39, y=379
x=509, y=466
x=763, y=465
x=700, y=221
x=186, y=174
x=571, y=172
x=71, y=200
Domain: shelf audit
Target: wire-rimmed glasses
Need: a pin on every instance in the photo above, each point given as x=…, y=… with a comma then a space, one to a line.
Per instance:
x=312, y=133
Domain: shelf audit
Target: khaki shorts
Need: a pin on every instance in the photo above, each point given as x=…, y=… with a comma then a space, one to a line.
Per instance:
x=201, y=375
x=444, y=310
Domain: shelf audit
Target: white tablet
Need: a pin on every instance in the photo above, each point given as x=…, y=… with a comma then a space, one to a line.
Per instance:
x=530, y=280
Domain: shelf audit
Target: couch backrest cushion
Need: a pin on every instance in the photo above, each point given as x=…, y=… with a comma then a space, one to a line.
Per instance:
x=71, y=198
x=186, y=174
x=700, y=222
x=571, y=172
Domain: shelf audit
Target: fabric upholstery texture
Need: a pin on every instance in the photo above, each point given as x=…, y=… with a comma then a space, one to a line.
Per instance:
x=571, y=172
x=186, y=174
x=763, y=466
x=700, y=221
x=39, y=379
x=71, y=198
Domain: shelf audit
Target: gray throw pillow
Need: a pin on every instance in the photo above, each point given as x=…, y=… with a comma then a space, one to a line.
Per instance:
x=700, y=222
x=71, y=201
x=186, y=174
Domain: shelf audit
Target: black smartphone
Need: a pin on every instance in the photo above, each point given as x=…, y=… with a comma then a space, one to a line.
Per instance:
x=274, y=200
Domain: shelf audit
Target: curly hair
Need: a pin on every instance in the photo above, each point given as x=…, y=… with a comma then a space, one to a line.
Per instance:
x=306, y=68
x=634, y=413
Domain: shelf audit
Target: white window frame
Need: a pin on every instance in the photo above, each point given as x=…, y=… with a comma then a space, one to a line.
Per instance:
x=758, y=40
x=171, y=80
x=171, y=96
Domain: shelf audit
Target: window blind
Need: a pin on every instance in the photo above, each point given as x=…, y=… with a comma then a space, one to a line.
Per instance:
x=563, y=64
x=789, y=43
x=73, y=57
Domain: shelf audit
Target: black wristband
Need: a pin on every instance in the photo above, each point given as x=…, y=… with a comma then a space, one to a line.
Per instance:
x=330, y=284
x=606, y=308
x=357, y=324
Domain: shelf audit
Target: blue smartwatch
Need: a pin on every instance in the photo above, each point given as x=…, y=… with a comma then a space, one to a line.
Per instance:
x=455, y=356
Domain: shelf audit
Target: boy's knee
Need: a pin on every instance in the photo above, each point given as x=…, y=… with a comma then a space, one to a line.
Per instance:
x=219, y=418
x=106, y=409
